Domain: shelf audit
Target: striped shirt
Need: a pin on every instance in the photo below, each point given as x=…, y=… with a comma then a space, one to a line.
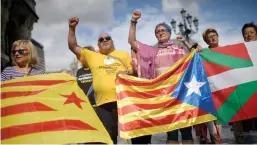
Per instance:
x=10, y=73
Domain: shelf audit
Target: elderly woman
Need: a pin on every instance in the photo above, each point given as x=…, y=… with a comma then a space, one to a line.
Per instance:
x=24, y=56
x=211, y=37
x=153, y=61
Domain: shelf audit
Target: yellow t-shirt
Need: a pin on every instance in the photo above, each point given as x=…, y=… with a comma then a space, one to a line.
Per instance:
x=104, y=70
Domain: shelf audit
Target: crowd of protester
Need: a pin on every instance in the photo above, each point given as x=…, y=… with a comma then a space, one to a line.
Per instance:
x=100, y=69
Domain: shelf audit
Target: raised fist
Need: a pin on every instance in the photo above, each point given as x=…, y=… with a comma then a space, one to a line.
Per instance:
x=73, y=22
x=136, y=15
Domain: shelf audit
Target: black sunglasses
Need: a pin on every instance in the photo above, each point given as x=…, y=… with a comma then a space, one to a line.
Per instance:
x=20, y=51
x=106, y=38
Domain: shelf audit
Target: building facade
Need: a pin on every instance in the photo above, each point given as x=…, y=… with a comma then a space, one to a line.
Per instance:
x=17, y=20
x=41, y=54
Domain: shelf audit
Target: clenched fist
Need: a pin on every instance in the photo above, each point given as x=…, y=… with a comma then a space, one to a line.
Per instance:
x=136, y=15
x=73, y=22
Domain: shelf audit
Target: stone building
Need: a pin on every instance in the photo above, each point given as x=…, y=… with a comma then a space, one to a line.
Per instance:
x=41, y=54
x=17, y=20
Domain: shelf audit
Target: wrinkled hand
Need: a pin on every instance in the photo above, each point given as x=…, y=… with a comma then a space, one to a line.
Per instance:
x=136, y=15
x=181, y=38
x=73, y=22
x=199, y=48
x=121, y=72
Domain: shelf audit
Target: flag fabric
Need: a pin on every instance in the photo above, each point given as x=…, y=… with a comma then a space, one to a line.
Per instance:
x=179, y=98
x=46, y=109
x=232, y=74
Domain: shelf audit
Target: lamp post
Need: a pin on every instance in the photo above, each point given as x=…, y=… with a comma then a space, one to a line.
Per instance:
x=74, y=67
x=185, y=28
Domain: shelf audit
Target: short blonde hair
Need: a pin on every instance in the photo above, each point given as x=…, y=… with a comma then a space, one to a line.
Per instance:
x=206, y=32
x=33, y=56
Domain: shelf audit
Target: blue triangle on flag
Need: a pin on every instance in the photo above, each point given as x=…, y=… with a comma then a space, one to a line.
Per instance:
x=193, y=87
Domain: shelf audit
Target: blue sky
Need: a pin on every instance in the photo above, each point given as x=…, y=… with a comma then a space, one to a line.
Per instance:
x=120, y=10
x=113, y=16
x=236, y=12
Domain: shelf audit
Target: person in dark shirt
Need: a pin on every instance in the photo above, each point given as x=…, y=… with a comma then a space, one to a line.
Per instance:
x=85, y=80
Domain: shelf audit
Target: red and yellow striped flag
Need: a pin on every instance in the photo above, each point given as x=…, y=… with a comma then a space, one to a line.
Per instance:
x=47, y=109
x=151, y=106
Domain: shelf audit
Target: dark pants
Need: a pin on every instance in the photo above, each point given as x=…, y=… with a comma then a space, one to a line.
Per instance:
x=249, y=124
x=238, y=132
x=109, y=116
x=142, y=140
x=186, y=134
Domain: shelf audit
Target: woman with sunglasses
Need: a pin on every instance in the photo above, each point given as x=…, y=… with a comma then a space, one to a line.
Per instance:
x=152, y=62
x=24, y=58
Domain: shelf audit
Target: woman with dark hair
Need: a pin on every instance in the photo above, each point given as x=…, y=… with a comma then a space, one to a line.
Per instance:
x=85, y=80
x=249, y=32
x=150, y=62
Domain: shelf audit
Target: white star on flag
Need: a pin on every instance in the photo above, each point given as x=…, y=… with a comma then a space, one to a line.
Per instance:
x=194, y=86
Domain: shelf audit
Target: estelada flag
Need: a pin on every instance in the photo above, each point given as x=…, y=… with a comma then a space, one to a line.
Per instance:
x=48, y=108
x=179, y=98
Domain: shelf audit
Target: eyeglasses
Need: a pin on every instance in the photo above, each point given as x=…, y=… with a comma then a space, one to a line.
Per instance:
x=212, y=36
x=20, y=51
x=104, y=38
x=161, y=30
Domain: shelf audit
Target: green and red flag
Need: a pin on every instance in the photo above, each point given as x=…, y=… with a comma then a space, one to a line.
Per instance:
x=232, y=75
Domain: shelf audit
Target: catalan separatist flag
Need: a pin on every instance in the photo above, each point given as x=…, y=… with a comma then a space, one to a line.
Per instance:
x=48, y=109
x=179, y=98
x=232, y=74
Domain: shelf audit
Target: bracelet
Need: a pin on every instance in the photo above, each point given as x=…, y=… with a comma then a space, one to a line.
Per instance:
x=194, y=46
x=134, y=22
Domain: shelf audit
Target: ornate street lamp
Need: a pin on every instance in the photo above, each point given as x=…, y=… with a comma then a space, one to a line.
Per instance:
x=74, y=67
x=184, y=30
